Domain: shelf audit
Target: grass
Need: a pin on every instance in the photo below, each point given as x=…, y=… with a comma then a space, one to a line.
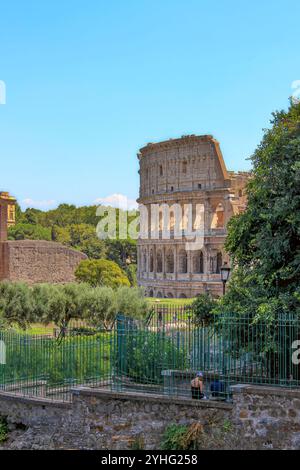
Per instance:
x=171, y=302
x=35, y=329
x=70, y=360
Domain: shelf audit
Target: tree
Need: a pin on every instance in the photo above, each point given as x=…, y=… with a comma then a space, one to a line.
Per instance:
x=203, y=308
x=100, y=306
x=63, y=303
x=27, y=231
x=101, y=273
x=16, y=305
x=122, y=252
x=131, y=302
x=264, y=241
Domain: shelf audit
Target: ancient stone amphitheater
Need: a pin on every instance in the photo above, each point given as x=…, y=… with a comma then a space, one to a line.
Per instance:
x=185, y=172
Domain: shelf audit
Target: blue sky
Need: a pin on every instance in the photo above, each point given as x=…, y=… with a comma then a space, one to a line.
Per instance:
x=89, y=83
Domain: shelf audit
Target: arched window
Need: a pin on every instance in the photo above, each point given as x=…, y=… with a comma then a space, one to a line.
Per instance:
x=151, y=269
x=219, y=262
x=159, y=261
x=184, y=167
x=198, y=263
x=170, y=262
x=182, y=258
x=161, y=171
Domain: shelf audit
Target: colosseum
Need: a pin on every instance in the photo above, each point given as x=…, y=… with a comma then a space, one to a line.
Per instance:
x=188, y=172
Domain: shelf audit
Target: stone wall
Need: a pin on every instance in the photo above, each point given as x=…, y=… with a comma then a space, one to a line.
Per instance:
x=261, y=418
x=35, y=261
x=268, y=417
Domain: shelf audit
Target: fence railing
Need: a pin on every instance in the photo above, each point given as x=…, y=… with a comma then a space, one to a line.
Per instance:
x=168, y=353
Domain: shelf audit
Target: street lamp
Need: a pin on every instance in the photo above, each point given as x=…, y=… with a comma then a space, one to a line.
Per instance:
x=225, y=273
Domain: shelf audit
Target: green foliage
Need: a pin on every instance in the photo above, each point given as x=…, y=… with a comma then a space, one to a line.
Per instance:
x=143, y=356
x=27, y=231
x=179, y=437
x=122, y=252
x=131, y=272
x=81, y=237
x=71, y=360
x=16, y=304
x=203, y=308
x=65, y=303
x=100, y=305
x=101, y=273
x=173, y=437
x=3, y=430
x=76, y=227
x=21, y=305
x=264, y=241
x=131, y=302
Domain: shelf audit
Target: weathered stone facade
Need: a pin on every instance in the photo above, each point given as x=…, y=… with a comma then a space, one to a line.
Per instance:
x=33, y=261
x=37, y=261
x=186, y=171
x=258, y=418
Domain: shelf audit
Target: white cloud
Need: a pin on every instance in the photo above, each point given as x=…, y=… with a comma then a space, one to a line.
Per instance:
x=119, y=201
x=44, y=204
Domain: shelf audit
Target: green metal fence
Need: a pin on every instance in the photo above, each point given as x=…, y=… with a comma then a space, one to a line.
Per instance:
x=163, y=354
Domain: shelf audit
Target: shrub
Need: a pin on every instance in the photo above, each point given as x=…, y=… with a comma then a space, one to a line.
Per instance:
x=178, y=437
x=203, y=308
x=101, y=272
x=173, y=437
x=3, y=430
x=143, y=355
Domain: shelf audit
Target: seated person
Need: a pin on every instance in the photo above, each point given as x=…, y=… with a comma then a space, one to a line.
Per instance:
x=217, y=388
x=197, y=386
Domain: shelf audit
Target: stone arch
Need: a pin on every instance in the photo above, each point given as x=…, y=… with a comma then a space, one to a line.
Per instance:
x=170, y=261
x=183, y=296
x=159, y=295
x=198, y=263
x=182, y=262
x=219, y=262
x=170, y=295
x=151, y=262
x=151, y=293
x=159, y=267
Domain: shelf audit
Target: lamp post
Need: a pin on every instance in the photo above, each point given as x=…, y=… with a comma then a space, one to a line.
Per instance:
x=225, y=273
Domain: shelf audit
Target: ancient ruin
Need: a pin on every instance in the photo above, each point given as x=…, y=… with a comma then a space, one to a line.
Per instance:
x=32, y=261
x=189, y=171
